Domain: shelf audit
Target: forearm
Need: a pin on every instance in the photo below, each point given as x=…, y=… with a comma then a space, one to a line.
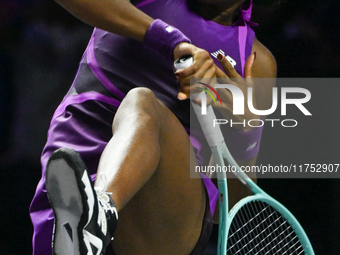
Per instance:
x=116, y=16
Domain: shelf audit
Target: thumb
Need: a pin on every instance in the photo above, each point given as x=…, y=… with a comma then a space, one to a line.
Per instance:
x=248, y=66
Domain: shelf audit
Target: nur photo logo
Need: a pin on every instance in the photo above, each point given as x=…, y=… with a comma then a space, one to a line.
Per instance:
x=240, y=101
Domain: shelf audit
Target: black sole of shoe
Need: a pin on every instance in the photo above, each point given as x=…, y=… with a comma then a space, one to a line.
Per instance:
x=70, y=194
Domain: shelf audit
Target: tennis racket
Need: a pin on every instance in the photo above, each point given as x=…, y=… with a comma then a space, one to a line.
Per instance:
x=257, y=224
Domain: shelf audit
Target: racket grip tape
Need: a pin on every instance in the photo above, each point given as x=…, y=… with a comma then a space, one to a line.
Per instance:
x=211, y=131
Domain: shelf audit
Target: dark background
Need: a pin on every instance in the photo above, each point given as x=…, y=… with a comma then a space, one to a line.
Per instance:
x=41, y=44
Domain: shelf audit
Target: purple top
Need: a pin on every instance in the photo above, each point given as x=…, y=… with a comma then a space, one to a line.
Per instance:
x=110, y=67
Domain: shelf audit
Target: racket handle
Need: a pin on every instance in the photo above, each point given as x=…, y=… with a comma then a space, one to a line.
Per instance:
x=183, y=62
x=211, y=131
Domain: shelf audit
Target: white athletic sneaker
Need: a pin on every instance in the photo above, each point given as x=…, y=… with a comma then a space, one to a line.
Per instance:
x=85, y=218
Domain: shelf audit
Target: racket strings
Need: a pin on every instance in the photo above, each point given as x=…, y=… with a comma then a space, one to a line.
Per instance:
x=248, y=223
x=250, y=232
x=258, y=229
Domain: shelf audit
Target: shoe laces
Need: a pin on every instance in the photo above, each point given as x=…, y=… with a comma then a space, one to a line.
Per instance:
x=104, y=196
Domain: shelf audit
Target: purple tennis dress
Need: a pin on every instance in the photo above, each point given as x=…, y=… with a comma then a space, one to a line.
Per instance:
x=110, y=67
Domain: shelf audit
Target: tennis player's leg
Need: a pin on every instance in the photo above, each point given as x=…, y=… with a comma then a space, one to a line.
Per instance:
x=147, y=164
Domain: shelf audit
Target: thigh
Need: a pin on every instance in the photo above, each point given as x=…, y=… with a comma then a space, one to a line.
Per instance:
x=165, y=216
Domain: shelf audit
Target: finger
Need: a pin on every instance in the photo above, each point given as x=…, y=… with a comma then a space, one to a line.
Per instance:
x=207, y=84
x=182, y=81
x=222, y=76
x=182, y=96
x=220, y=73
x=209, y=73
x=207, y=69
x=228, y=68
x=249, y=65
x=184, y=91
x=182, y=49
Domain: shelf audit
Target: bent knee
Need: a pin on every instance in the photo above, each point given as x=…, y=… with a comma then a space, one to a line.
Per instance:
x=140, y=103
x=141, y=94
x=143, y=100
